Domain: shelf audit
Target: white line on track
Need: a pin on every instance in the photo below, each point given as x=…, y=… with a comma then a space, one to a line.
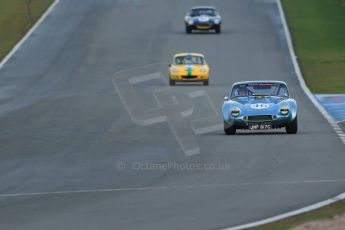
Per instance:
x=330, y=120
x=28, y=34
x=143, y=78
x=170, y=187
x=289, y=214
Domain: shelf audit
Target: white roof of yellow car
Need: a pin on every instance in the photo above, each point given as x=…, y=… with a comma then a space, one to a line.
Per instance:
x=186, y=54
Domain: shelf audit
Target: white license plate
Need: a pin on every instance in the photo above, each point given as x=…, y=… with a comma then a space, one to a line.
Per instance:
x=260, y=126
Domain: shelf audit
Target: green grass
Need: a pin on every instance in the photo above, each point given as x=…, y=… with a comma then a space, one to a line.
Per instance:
x=16, y=18
x=318, y=33
x=318, y=214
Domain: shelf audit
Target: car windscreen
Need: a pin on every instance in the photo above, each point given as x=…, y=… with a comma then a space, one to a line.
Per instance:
x=260, y=89
x=198, y=12
x=189, y=60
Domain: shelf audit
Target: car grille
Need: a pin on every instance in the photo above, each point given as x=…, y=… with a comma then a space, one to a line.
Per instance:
x=204, y=24
x=189, y=77
x=260, y=118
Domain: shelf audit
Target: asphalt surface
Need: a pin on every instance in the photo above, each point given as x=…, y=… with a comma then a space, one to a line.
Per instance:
x=78, y=137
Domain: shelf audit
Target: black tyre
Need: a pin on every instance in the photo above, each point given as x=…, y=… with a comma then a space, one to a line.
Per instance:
x=188, y=29
x=229, y=130
x=292, y=127
x=171, y=82
x=206, y=82
x=218, y=29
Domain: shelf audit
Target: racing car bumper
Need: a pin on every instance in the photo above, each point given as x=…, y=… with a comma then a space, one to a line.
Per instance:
x=192, y=77
x=203, y=26
x=260, y=121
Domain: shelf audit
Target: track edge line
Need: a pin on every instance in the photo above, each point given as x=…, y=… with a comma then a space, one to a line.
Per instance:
x=28, y=34
x=290, y=214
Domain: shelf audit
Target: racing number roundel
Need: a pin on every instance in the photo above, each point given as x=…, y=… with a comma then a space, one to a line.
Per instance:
x=259, y=106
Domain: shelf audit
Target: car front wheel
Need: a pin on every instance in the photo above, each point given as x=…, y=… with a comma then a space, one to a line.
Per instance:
x=218, y=29
x=229, y=130
x=292, y=127
x=188, y=29
x=171, y=82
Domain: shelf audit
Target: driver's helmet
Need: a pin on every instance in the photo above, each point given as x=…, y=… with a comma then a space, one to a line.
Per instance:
x=179, y=61
x=189, y=59
x=242, y=91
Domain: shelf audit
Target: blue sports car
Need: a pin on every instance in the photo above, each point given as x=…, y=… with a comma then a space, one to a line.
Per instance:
x=259, y=105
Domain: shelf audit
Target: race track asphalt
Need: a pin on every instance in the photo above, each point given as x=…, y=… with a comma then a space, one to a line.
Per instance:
x=84, y=146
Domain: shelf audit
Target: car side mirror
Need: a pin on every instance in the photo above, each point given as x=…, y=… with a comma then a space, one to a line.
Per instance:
x=226, y=98
x=169, y=65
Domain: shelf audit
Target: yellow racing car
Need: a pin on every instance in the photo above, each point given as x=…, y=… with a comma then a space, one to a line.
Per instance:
x=189, y=67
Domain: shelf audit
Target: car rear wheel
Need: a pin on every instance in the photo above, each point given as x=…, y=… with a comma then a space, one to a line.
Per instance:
x=229, y=130
x=292, y=127
x=171, y=82
x=188, y=29
x=206, y=82
x=218, y=29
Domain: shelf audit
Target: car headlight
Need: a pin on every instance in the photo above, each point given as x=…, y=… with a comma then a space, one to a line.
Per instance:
x=216, y=21
x=284, y=110
x=174, y=70
x=203, y=70
x=190, y=22
x=235, y=111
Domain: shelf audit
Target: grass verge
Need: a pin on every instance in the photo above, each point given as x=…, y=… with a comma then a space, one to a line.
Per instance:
x=318, y=33
x=323, y=213
x=16, y=18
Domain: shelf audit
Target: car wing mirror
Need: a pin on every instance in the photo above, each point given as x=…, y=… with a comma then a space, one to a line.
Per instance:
x=226, y=98
x=169, y=65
